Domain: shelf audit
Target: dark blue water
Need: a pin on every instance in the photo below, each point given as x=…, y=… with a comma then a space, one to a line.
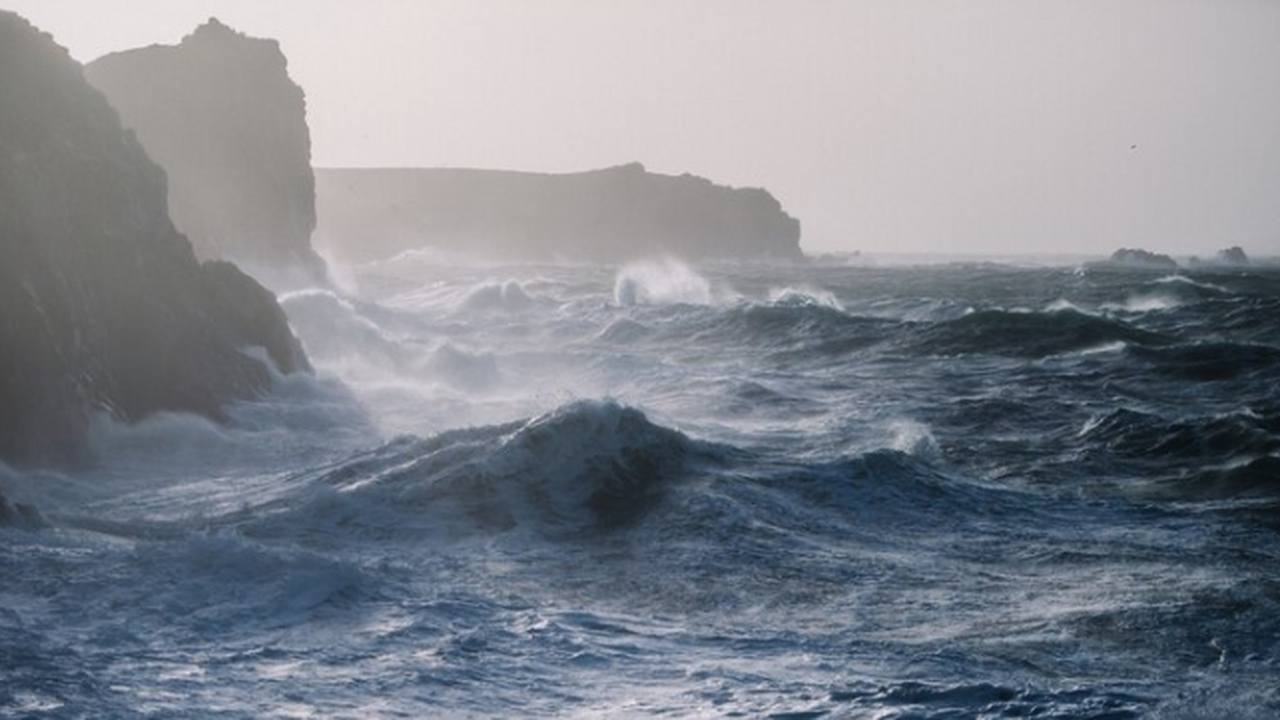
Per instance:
x=931, y=492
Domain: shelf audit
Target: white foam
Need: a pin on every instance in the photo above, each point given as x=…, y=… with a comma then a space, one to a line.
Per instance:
x=914, y=438
x=1184, y=280
x=1151, y=303
x=804, y=296
x=432, y=257
x=1103, y=349
x=509, y=296
x=342, y=276
x=661, y=282
x=303, y=419
x=471, y=371
x=1065, y=304
x=1154, y=302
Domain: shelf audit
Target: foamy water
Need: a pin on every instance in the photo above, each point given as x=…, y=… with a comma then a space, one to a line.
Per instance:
x=657, y=490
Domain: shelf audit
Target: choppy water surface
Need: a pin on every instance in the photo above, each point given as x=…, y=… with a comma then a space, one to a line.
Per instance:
x=946, y=492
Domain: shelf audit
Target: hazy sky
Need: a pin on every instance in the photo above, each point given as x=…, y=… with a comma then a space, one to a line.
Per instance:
x=986, y=126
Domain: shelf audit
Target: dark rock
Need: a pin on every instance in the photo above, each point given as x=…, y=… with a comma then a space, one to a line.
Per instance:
x=1141, y=259
x=103, y=305
x=1234, y=255
x=1231, y=257
x=609, y=215
x=15, y=514
x=220, y=114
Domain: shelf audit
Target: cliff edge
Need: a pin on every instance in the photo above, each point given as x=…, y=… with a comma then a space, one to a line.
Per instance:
x=610, y=215
x=103, y=305
x=220, y=114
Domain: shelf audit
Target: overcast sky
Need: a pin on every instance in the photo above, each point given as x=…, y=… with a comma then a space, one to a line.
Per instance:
x=986, y=126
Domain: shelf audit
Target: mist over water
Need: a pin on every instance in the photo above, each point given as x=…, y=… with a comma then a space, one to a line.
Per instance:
x=947, y=491
x=371, y=428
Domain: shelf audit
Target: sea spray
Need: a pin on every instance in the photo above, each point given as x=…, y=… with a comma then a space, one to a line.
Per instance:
x=885, y=507
x=661, y=282
x=804, y=296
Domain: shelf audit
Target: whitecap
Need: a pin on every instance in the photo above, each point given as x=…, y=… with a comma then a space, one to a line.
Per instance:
x=804, y=297
x=661, y=282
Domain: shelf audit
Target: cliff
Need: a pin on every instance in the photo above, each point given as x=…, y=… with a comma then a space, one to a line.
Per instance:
x=609, y=215
x=103, y=305
x=220, y=114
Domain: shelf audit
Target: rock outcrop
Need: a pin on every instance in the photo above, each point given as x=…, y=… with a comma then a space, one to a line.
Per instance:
x=1138, y=259
x=220, y=114
x=1232, y=257
x=14, y=514
x=609, y=215
x=103, y=305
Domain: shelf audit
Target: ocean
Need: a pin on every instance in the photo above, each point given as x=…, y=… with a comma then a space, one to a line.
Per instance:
x=966, y=490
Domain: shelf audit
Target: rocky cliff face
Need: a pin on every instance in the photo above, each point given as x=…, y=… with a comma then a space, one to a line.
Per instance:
x=220, y=114
x=103, y=305
x=610, y=215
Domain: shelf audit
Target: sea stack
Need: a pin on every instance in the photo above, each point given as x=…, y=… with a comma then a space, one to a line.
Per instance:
x=611, y=215
x=221, y=115
x=103, y=305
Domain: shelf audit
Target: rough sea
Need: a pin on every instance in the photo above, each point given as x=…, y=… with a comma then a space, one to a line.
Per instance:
x=950, y=491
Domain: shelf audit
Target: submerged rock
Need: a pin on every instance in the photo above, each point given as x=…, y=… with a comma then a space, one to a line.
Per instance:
x=220, y=114
x=103, y=305
x=611, y=215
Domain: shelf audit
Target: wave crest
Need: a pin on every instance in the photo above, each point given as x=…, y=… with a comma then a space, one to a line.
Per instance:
x=1141, y=435
x=587, y=464
x=662, y=282
x=1210, y=361
x=1029, y=334
x=509, y=296
x=804, y=297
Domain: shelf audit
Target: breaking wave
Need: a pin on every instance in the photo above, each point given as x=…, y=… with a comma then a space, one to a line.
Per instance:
x=590, y=464
x=661, y=282
x=847, y=493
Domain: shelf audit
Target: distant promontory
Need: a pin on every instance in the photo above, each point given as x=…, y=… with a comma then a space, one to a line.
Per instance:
x=103, y=305
x=610, y=215
x=221, y=115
